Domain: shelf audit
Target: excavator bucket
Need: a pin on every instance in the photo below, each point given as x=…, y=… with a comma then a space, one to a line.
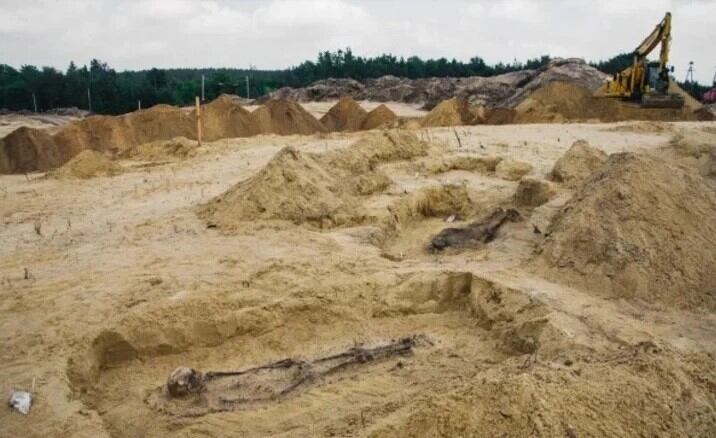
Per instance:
x=658, y=100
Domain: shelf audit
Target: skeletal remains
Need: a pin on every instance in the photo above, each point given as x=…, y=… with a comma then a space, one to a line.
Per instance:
x=191, y=392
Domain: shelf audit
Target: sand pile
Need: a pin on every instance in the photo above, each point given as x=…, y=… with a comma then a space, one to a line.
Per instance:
x=224, y=117
x=386, y=146
x=346, y=115
x=28, y=150
x=435, y=201
x=562, y=101
x=575, y=166
x=321, y=190
x=293, y=186
x=176, y=148
x=284, y=117
x=454, y=112
x=160, y=122
x=639, y=228
x=87, y=164
x=378, y=117
x=533, y=193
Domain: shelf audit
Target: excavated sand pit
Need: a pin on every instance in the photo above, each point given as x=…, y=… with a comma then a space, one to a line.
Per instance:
x=223, y=261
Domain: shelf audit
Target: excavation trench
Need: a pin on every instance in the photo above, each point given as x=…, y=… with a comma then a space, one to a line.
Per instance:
x=281, y=358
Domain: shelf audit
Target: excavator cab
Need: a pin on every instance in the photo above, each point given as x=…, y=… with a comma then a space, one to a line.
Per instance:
x=656, y=89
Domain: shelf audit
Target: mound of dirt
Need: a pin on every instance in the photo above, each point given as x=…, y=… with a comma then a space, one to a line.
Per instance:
x=293, y=186
x=117, y=134
x=320, y=190
x=346, y=115
x=378, y=117
x=436, y=201
x=512, y=170
x=224, y=117
x=533, y=193
x=284, y=117
x=160, y=122
x=563, y=101
x=454, y=112
x=505, y=90
x=575, y=166
x=87, y=164
x=640, y=228
x=28, y=150
x=176, y=148
x=499, y=116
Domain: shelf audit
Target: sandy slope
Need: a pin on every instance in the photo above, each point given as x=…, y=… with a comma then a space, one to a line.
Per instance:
x=126, y=283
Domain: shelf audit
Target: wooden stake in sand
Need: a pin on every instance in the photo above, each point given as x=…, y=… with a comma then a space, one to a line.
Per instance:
x=198, y=120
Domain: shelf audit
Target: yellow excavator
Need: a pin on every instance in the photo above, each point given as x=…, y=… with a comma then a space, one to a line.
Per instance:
x=648, y=82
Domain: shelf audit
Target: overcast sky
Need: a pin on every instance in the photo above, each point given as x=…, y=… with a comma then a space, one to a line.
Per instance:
x=139, y=34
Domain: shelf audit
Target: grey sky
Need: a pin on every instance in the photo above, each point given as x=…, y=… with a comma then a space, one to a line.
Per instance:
x=135, y=34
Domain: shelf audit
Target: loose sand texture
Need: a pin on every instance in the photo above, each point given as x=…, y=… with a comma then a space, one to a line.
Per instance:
x=292, y=286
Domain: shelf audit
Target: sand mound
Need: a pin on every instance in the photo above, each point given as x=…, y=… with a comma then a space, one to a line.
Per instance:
x=179, y=147
x=87, y=164
x=533, y=193
x=577, y=164
x=28, y=150
x=388, y=146
x=379, y=116
x=640, y=228
x=499, y=116
x=117, y=134
x=562, y=101
x=321, y=190
x=346, y=115
x=224, y=117
x=454, y=112
x=436, y=201
x=512, y=170
x=284, y=117
x=293, y=186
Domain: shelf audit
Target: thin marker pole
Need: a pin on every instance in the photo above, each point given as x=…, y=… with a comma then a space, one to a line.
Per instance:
x=198, y=120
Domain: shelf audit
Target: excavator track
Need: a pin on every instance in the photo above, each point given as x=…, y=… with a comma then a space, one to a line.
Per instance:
x=655, y=100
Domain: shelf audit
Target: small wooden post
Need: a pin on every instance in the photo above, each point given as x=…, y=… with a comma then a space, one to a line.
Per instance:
x=198, y=120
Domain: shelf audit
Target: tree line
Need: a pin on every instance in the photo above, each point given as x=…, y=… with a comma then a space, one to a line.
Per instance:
x=105, y=91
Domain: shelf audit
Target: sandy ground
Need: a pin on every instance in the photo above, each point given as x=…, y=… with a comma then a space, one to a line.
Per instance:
x=108, y=285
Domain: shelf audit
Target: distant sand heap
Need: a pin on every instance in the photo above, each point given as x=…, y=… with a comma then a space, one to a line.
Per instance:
x=346, y=115
x=284, y=117
x=454, y=112
x=30, y=150
x=641, y=228
x=559, y=101
x=379, y=116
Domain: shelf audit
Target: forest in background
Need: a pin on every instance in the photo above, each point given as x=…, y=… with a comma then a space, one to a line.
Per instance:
x=112, y=92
